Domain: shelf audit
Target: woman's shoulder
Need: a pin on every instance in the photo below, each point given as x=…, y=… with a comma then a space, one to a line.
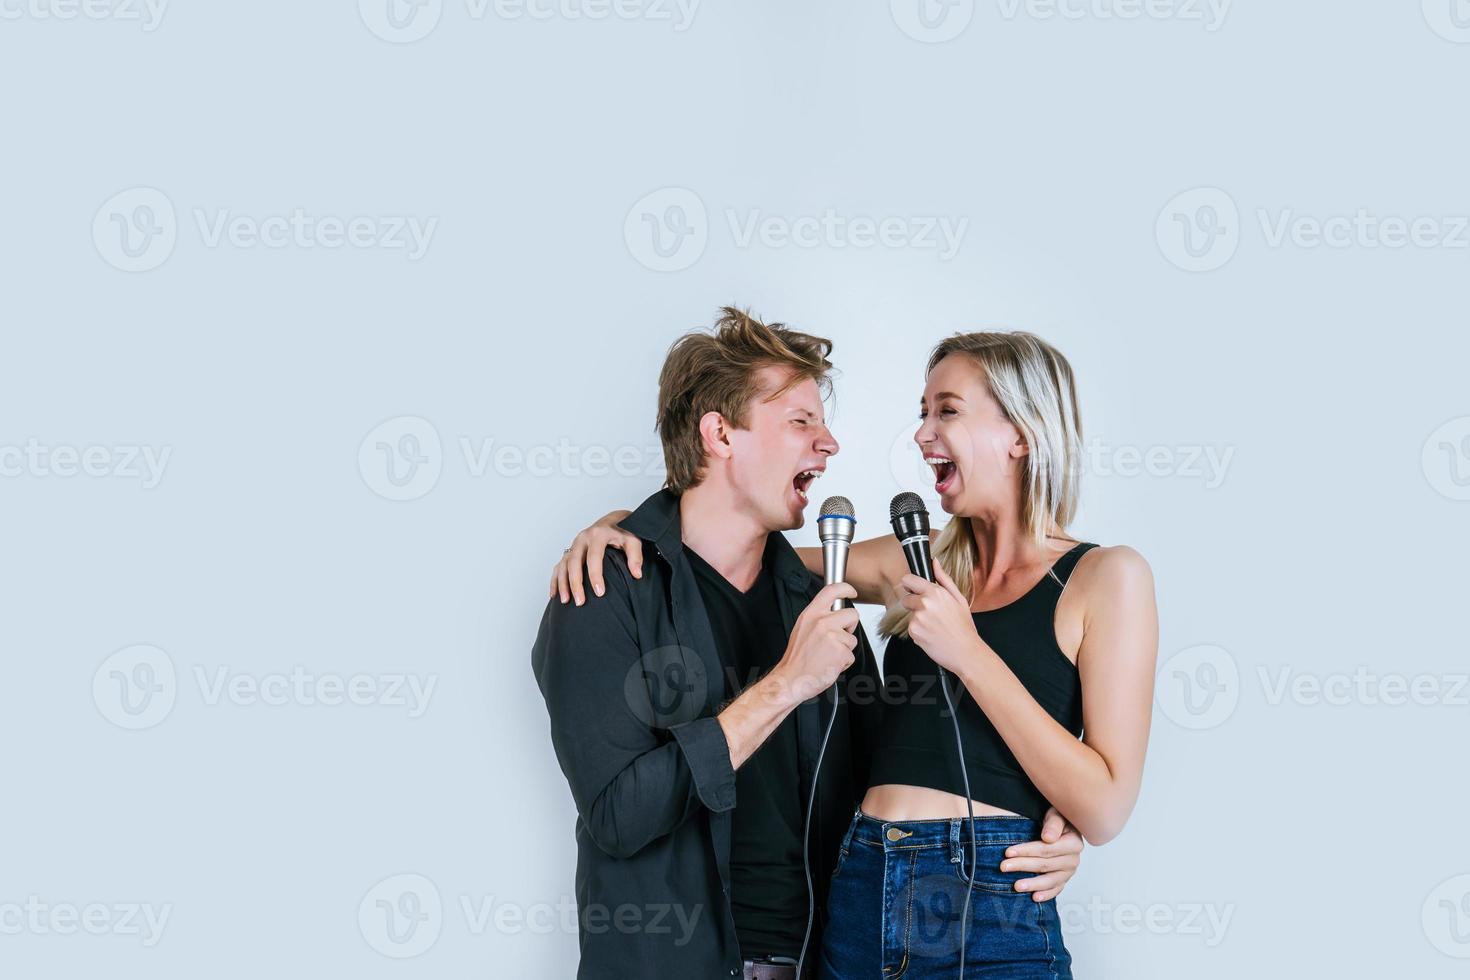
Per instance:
x=1111, y=572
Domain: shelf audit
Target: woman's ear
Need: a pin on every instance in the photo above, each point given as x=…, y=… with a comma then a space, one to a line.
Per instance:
x=716, y=438
x=1019, y=447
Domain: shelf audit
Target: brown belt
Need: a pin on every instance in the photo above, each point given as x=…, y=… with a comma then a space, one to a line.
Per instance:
x=757, y=970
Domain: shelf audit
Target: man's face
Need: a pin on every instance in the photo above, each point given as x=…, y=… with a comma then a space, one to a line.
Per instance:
x=782, y=450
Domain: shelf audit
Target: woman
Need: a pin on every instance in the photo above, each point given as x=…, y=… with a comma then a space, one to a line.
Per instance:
x=1048, y=647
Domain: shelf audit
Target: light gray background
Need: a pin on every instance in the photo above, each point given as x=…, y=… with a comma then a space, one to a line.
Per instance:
x=1276, y=835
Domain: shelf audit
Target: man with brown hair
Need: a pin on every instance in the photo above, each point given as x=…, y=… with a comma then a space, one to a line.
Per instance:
x=661, y=692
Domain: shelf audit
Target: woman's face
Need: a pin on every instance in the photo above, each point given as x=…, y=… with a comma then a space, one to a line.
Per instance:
x=974, y=449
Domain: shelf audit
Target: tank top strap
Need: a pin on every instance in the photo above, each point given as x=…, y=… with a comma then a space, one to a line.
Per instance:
x=1065, y=564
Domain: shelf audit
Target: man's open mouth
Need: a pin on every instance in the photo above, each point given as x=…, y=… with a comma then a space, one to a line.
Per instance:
x=944, y=471
x=803, y=481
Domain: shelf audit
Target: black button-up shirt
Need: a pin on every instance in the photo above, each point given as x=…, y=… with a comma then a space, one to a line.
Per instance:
x=632, y=683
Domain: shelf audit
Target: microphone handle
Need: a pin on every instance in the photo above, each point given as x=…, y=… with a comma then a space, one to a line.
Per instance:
x=834, y=565
x=916, y=550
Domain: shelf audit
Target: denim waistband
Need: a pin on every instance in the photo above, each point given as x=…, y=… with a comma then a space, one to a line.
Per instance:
x=906, y=835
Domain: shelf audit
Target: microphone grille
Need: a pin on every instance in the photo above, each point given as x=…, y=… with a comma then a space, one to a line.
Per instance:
x=836, y=507
x=906, y=503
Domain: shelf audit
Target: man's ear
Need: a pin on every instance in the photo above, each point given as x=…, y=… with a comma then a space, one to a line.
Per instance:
x=715, y=433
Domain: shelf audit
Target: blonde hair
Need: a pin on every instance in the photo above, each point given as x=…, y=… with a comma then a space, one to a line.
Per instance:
x=1034, y=386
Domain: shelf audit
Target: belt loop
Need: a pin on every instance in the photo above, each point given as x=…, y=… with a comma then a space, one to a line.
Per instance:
x=954, y=842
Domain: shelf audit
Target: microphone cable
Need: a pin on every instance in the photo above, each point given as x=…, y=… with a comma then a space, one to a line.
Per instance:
x=970, y=808
x=806, y=857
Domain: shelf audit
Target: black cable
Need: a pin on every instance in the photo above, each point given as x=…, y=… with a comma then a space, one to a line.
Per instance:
x=806, y=834
x=970, y=808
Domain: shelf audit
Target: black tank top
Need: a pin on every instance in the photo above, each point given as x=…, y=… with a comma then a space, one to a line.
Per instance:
x=917, y=747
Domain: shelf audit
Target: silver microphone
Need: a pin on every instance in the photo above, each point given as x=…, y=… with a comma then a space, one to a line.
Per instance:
x=835, y=525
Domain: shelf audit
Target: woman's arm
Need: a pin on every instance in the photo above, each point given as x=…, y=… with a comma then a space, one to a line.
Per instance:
x=1094, y=782
x=874, y=567
x=587, y=551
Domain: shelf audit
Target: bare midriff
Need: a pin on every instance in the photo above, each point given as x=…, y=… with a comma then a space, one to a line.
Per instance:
x=893, y=801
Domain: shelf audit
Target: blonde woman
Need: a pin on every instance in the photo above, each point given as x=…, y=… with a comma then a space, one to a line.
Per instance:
x=1049, y=645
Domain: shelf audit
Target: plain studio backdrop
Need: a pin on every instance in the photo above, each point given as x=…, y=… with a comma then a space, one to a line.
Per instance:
x=325, y=326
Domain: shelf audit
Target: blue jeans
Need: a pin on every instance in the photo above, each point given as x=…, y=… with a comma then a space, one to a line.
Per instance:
x=898, y=893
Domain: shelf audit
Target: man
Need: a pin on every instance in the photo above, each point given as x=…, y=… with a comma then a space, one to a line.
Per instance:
x=702, y=683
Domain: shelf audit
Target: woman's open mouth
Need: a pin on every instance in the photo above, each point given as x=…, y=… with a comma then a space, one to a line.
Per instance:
x=803, y=481
x=944, y=472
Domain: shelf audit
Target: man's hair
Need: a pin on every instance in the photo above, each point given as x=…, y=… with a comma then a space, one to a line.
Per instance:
x=716, y=371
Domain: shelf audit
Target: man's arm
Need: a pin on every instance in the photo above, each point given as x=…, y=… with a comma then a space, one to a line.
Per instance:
x=631, y=785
